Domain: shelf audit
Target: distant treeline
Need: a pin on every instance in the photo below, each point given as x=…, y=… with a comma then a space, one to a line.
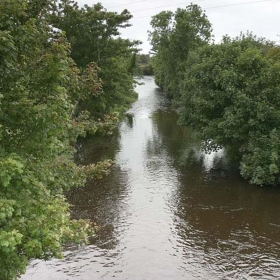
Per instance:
x=144, y=65
x=228, y=92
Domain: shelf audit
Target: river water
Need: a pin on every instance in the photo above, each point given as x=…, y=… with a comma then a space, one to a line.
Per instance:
x=167, y=210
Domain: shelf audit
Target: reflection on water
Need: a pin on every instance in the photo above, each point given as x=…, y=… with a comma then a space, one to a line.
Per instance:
x=167, y=210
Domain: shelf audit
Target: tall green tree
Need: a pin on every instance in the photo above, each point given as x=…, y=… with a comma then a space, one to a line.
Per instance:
x=39, y=87
x=231, y=97
x=94, y=35
x=174, y=35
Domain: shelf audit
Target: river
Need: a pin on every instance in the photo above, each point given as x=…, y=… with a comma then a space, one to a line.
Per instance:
x=167, y=210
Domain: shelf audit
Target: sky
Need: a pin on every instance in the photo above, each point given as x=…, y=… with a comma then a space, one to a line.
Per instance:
x=262, y=17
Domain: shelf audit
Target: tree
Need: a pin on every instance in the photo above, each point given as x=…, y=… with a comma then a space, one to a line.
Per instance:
x=39, y=87
x=174, y=35
x=94, y=35
x=230, y=96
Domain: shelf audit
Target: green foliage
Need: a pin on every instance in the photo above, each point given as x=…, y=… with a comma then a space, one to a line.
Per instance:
x=93, y=33
x=40, y=87
x=230, y=96
x=143, y=65
x=174, y=35
x=229, y=93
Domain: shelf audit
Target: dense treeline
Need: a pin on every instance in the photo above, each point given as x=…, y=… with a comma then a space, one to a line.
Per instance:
x=50, y=93
x=144, y=65
x=228, y=92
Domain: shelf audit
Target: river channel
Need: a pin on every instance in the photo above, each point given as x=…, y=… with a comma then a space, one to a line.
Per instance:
x=167, y=211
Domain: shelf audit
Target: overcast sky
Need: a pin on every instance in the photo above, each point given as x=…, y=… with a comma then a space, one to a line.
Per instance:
x=262, y=17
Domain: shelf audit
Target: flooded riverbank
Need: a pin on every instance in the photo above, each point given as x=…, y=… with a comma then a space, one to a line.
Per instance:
x=168, y=211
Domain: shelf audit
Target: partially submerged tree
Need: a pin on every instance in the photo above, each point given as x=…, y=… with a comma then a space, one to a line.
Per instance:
x=231, y=97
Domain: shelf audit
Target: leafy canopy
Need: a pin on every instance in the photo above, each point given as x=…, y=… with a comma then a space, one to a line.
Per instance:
x=40, y=86
x=174, y=35
x=230, y=95
x=228, y=92
x=94, y=35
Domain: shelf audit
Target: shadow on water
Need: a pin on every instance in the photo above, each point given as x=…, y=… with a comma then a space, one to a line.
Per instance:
x=102, y=201
x=221, y=222
x=98, y=148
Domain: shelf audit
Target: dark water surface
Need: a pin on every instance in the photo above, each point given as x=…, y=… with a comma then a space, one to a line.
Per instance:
x=167, y=211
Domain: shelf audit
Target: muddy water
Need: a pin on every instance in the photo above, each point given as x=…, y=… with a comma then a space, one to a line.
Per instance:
x=167, y=211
